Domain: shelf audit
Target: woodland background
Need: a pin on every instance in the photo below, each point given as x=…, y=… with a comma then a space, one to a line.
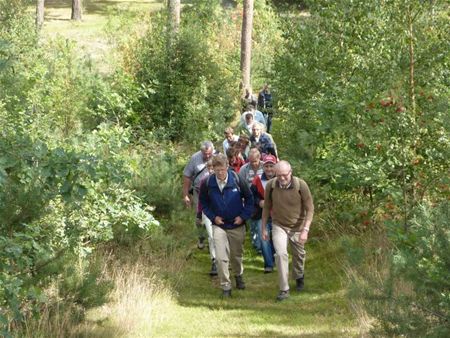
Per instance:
x=99, y=114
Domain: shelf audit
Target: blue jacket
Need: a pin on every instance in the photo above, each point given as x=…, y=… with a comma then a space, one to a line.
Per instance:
x=264, y=144
x=234, y=200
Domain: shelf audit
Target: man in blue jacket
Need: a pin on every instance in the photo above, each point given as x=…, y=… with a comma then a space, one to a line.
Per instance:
x=228, y=203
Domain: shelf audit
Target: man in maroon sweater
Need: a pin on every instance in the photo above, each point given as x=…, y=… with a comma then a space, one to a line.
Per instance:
x=291, y=204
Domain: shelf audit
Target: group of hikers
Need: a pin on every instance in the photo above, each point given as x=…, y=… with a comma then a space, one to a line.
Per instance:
x=247, y=183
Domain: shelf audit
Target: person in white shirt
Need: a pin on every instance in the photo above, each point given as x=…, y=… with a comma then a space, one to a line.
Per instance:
x=229, y=139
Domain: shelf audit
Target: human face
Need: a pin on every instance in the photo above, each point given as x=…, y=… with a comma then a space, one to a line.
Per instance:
x=269, y=170
x=229, y=136
x=207, y=154
x=254, y=162
x=256, y=131
x=284, y=176
x=221, y=172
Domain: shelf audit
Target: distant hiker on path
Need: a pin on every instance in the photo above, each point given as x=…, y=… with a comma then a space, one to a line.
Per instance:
x=249, y=98
x=229, y=139
x=265, y=105
x=228, y=203
x=192, y=176
x=291, y=204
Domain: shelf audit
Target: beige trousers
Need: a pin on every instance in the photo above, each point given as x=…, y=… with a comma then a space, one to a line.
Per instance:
x=229, y=245
x=281, y=236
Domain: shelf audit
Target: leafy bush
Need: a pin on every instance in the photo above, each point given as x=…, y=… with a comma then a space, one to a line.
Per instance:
x=410, y=293
x=57, y=204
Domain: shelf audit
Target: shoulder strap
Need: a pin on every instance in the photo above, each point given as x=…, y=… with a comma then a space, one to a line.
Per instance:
x=196, y=175
x=297, y=181
x=272, y=186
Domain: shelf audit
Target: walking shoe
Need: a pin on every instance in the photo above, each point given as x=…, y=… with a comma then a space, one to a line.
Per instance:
x=300, y=284
x=240, y=283
x=283, y=295
x=213, y=271
x=200, y=243
x=226, y=293
x=268, y=269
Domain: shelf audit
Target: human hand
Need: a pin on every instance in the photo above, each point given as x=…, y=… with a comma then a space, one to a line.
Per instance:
x=264, y=235
x=238, y=220
x=187, y=201
x=303, y=237
x=218, y=220
x=261, y=204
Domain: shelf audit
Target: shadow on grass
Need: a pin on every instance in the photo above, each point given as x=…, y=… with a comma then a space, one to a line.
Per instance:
x=321, y=305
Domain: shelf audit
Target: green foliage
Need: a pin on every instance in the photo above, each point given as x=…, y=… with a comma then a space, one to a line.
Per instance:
x=345, y=97
x=159, y=177
x=266, y=42
x=412, y=295
x=188, y=80
x=58, y=202
x=363, y=101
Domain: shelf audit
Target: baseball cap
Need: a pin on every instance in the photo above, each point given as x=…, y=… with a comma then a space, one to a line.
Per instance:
x=270, y=159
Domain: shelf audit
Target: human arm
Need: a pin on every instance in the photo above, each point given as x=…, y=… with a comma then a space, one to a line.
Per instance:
x=308, y=206
x=267, y=207
x=186, y=186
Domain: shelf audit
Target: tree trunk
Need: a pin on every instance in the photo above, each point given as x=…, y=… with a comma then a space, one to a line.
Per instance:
x=246, y=44
x=76, y=10
x=174, y=16
x=40, y=6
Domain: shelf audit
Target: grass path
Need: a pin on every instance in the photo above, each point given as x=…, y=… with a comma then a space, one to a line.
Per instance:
x=182, y=300
x=319, y=311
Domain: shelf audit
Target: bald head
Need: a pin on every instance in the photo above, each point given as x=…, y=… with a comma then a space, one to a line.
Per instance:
x=283, y=171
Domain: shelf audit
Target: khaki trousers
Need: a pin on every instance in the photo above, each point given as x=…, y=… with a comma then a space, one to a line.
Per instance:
x=229, y=245
x=280, y=237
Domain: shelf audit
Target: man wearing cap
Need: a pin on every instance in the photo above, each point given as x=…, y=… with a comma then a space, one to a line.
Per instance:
x=258, y=187
x=290, y=203
x=248, y=172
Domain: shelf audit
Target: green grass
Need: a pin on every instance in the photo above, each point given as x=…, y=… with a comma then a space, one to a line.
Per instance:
x=175, y=297
x=89, y=33
x=319, y=311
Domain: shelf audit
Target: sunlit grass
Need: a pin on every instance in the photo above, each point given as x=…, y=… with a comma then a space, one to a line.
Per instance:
x=89, y=33
x=179, y=299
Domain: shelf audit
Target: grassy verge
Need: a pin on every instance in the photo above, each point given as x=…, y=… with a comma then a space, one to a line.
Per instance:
x=175, y=297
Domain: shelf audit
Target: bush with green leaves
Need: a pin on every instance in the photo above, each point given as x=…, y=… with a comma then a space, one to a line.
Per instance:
x=362, y=121
x=58, y=202
x=363, y=90
x=190, y=81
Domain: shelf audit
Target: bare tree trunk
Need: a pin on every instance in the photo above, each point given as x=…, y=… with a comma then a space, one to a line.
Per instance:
x=77, y=10
x=174, y=16
x=246, y=44
x=40, y=6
